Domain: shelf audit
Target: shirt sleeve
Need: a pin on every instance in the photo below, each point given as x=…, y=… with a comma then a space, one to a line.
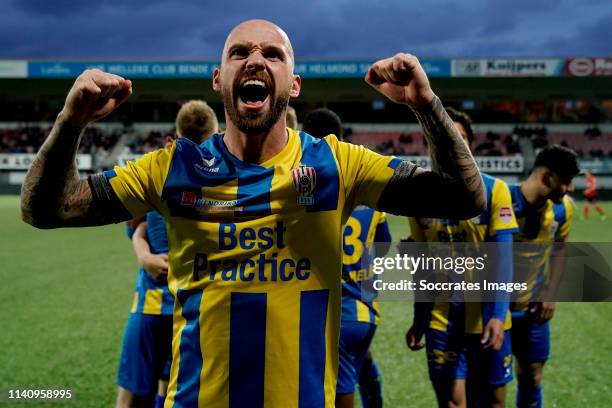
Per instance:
x=502, y=218
x=364, y=173
x=383, y=234
x=564, y=229
x=138, y=185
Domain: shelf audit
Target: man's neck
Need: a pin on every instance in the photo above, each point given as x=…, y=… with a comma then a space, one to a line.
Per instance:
x=255, y=148
x=530, y=191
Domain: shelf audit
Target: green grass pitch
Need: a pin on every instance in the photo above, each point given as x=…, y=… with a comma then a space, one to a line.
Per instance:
x=66, y=296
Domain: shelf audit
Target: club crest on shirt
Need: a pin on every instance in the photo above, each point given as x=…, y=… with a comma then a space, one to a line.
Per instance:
x=304, y=180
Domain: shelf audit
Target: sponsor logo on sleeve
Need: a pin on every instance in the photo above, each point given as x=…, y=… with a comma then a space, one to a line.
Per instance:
x=505, y=214
x=188, y=199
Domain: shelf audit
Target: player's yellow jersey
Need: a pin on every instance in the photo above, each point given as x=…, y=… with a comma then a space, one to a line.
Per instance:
x=255, y=263
x=496, y=219
x=544, y=226
x=364, y=227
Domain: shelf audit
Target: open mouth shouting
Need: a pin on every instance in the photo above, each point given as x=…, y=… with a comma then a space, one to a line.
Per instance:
x=253, y=94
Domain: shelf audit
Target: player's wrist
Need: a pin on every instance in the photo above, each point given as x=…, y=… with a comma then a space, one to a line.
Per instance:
x=426, y=104
x=424, y=101
x=66, y=118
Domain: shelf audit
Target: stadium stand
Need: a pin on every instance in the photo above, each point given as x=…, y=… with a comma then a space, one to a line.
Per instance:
x=500, y=140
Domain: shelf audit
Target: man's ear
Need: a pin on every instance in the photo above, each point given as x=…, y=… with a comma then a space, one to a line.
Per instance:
x=216, y=84
x=168, y=139
x=546, y=178
x=295, y=86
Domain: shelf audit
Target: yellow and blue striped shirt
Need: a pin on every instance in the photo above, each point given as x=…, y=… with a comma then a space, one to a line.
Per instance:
x=542, y=226
x=255, y=263
x=498, y=218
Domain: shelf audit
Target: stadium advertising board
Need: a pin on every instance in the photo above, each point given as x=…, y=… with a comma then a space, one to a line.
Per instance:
x=358, y=69
x=133, y=69
x=507, y=67
x=23, y=161
x=490, y=164
x=194, y=69
x=13, y=69
x=582, y=67
x=463, y=67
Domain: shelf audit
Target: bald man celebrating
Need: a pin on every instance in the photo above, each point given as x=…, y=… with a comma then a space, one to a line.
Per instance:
x=255, y=217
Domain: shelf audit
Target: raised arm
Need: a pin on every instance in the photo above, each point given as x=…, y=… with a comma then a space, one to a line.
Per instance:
x=52, y=194
x=453, y=188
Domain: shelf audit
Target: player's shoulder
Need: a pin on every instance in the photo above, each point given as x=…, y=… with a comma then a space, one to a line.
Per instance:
x=515, y=191
x=568, y=206
x=185, y=146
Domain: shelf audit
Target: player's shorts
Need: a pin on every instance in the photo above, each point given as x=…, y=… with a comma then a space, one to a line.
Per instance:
x=454, y=356
x=530, y=339
x=146, y=354
x=355, y=340
x=591, y=199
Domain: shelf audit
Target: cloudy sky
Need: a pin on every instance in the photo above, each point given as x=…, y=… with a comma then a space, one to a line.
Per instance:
x=331, y=29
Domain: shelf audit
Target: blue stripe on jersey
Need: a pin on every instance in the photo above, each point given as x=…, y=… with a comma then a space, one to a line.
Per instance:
x=560, y=213
x=110, y=174
x=156, y=233
x=313, y=319
x=317, y=153
x=489, y=183
x=187, y=175
x=519, y=203
x=247, y=349
x=254, y=185
x=394, y=163
x=190, y=362
x=533, y=219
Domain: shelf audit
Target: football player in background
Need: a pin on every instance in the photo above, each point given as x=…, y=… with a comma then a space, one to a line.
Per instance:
x=360, y=312
x=590, y=196
x=144, y=366
x=544, y=212
x=468, y=343
x=254, y=216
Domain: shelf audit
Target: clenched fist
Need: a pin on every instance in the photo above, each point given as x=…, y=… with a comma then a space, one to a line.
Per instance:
x=401, y=79
x=94, y=95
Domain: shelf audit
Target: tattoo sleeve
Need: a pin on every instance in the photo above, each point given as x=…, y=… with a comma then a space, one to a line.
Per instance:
x=54, y=196
x=452, y=189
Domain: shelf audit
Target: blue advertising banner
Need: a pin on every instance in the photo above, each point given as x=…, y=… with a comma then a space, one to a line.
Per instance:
x=195, y=69
x=129, y=69
x=358, y=69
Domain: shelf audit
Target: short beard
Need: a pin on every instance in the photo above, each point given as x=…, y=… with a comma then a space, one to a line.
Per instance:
x=256, y=123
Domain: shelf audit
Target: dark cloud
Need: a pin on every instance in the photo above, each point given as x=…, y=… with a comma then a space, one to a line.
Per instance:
x=319, y=28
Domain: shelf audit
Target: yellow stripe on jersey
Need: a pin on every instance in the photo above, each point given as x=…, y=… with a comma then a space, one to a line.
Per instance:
x=363, y=312
x=213, y=335
x=134, y=303
x=153, y=302
x=376, y=312
x=139, y=184
x=439, y=316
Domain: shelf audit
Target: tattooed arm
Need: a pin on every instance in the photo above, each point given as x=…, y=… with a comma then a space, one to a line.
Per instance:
x=52, y=194
x=454, y=188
